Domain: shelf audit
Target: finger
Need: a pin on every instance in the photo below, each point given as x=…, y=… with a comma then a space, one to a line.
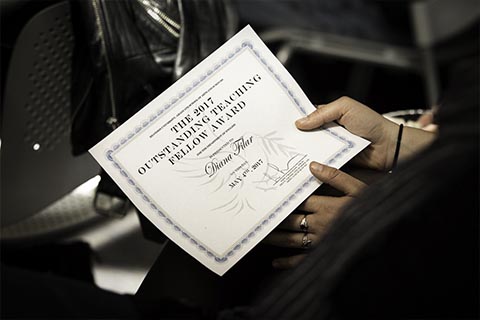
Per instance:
x=312, y=204
x=288, y=262
x=287, y=239
x=292, y=223
x=337, y=179
x=323, y=206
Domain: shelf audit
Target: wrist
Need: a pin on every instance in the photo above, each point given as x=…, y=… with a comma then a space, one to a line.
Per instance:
x=413, y=141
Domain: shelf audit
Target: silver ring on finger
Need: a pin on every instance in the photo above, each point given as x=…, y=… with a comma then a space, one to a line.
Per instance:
x=304, y=224
x=306, y=242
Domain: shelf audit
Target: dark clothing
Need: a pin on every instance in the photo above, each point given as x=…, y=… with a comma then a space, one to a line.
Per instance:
x=408, y=248
x=178, y=275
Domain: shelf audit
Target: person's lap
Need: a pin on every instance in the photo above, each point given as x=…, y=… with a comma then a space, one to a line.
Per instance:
x=176, y=275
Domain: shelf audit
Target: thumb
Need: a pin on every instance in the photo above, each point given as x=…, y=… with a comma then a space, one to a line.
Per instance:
x=334, y=111
x=324, y=114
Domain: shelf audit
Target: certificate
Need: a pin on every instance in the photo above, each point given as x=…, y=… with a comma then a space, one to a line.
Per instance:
x=215, y=162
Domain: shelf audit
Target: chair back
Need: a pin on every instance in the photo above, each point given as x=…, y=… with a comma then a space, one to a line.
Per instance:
x=37, y=166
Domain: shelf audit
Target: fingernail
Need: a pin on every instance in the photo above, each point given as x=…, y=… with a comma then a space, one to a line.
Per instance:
x=315, y=166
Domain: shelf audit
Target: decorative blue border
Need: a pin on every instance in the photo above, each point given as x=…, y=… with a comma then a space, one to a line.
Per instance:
x=146, y=123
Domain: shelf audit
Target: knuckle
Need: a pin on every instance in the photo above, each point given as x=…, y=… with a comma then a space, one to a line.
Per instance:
x=309, y=202
x=313, y=222
x=315, y=114
x=332, y=174
x=344, y=100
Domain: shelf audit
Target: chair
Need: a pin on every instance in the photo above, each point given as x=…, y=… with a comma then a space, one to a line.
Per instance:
x=37, y=167
x=433, y=22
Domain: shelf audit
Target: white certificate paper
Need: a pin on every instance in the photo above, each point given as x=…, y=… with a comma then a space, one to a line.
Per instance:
x=215, y=161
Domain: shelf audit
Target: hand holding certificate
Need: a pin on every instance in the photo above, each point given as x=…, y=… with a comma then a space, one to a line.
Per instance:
x=216, y=162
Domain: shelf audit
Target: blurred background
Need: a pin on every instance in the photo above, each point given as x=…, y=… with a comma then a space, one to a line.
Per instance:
x=59, y=216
